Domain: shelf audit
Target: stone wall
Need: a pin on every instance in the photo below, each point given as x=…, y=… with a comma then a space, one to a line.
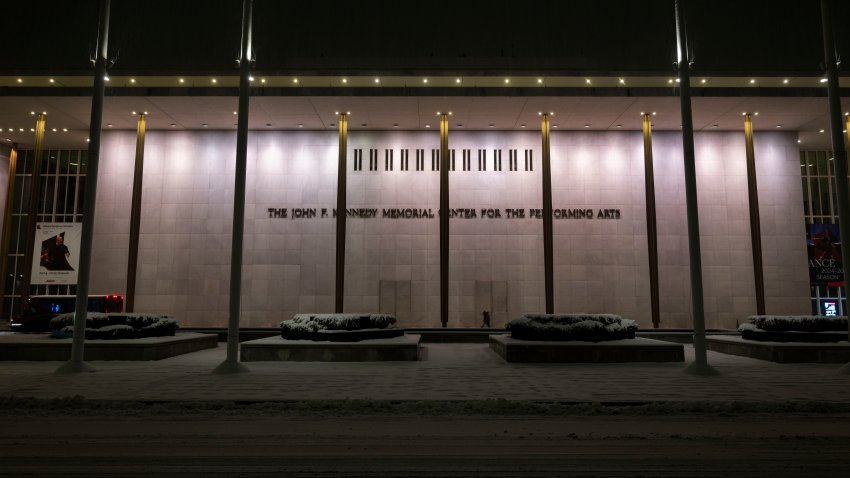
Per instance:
x=392, y=264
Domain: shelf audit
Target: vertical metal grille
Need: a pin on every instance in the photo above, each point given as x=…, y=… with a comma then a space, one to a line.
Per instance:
x=63, y=176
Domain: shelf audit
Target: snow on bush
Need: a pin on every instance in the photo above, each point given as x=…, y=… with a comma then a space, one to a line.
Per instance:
x=303, y=325
x=582, y=327
x=115, y=326
x=794, y=323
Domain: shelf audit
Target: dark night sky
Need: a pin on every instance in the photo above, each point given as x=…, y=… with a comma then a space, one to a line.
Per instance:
x=384, y=36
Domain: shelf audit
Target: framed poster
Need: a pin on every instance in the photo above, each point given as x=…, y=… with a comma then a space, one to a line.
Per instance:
x=825, y=263
x=56, y=252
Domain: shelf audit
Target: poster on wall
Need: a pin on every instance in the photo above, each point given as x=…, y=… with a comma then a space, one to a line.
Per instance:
x=825, y=264
x=56, y=252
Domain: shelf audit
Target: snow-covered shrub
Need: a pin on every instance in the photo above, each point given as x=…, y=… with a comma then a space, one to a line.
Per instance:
x=583, y=327
x=115, y=326
x=794, y=323
x=306, y=326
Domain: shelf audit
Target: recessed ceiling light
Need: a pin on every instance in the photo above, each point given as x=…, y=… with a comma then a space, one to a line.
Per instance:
x=345, y=80
x=752, y=81
x=20, y=129
x=460, y=125
x=622, y=81
x=424, y=80
x=262, y=80
x=539, y=113
x=522, y=126
x=539, y=80
x=214, y=80
x=756, y=113
x=554, y=126
x=332, y=125
x=20, y=80
x=173, y=125
x=785, y=81
x=144, y=112
x=109, y=124
x=300, y=125
x=427, y=126
x=377, y=80
x=395, y=125
x=348, y=113
x=132, y=80
x=492, y=126
x=779, y=126
x=619, y=126
x=250, y=78
x=670, y=80
x=457, y=80
x=52, y=80
x=65, y=130
x=821, y=131
x=823, y=80
x=32, y=112
x=799, y=141
x=703, y=81
x=438, y=113
x=587, y=126
x=181, y=80
x=587, y=81
x=295, y=80
x=714, y=126
x=268, y=125
x=88, y=140
x=205, y=125
x=507, y=80
x=336, y=112
x=678, y=80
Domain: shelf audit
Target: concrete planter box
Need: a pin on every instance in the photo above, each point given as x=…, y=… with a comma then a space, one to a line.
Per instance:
x=782, y=352
x=628, y=350
x=277, y=349
x=40, y=347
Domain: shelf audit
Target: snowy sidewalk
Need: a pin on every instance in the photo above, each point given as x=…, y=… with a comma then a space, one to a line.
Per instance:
x=450, y=372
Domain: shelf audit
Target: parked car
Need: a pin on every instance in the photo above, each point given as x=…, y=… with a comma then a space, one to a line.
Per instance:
x=39, y=309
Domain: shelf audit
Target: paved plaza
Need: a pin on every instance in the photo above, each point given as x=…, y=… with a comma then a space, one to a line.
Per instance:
x=448, y=372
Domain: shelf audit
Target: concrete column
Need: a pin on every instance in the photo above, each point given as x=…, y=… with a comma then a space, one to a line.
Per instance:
x=700, y=365
x=76, y=364
x=444, y=219
x=341, y=199
x=231, y=362
x=755, y=222
x=135, y=216
x=7, y=224
x=32, y=214
x=548, y=254
x=651, y=229
x=839, y=153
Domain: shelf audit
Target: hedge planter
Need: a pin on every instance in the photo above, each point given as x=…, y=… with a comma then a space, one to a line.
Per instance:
x=339, y=327
x=115, y=326
x=567, y=327
x=794, y=328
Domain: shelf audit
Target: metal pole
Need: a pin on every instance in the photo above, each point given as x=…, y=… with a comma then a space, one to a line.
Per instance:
x=548, y=255
x=651, y=227
x=755, y=222
x=839, y=154
x=7, y=223
x=231, y=363
x=32, y=215
x=340, y=212
x=700, y=365
x=76, y=364
x=135, y=216
x=444, y=219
